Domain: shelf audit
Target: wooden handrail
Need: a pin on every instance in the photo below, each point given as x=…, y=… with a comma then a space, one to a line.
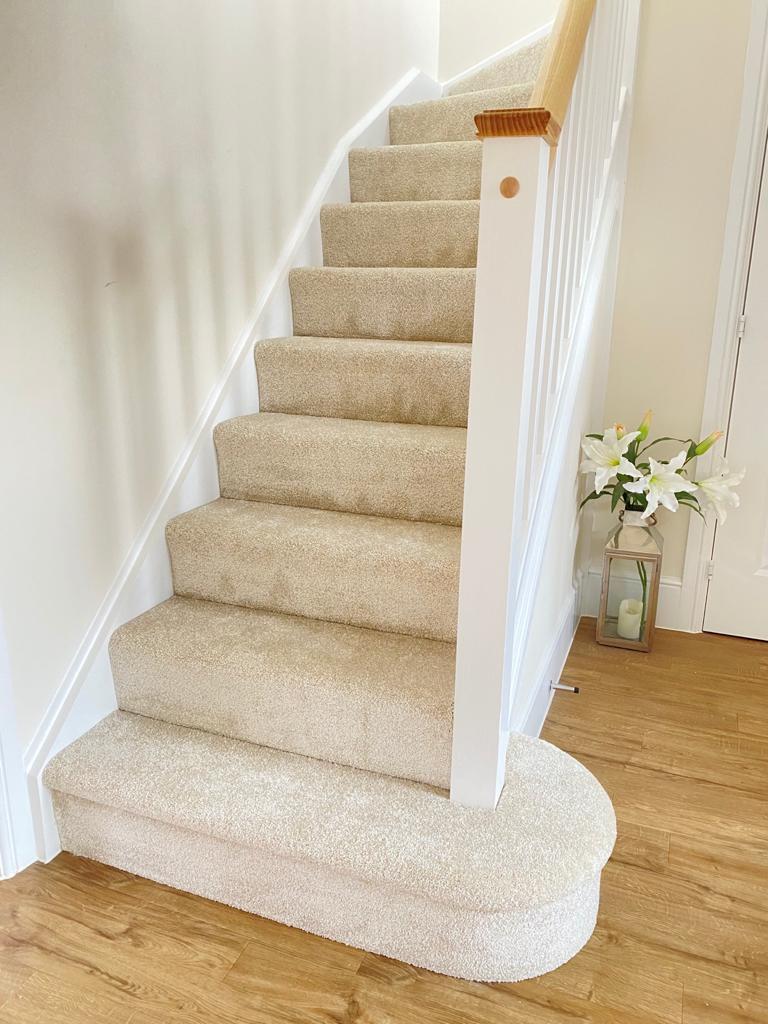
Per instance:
x=554, y=84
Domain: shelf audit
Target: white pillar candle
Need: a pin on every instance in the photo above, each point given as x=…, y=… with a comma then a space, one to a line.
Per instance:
x=630, y=619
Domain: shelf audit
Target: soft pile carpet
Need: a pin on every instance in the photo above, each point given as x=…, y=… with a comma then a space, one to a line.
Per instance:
x=283, y=738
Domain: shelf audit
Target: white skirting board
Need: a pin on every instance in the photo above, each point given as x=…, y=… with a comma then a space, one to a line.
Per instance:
x=531, y=720
x=86, y=693
x=669, y=614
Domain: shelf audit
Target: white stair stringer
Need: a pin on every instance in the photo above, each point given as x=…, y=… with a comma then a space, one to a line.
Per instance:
x=379, y=863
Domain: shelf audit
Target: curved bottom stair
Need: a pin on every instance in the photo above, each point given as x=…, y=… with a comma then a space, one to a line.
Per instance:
x=283, y=742
x=381, y=863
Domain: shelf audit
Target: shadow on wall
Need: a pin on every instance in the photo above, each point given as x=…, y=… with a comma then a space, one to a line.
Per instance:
x=161, y=156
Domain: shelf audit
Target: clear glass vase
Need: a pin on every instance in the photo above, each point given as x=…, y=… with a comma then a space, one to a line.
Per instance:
x=630, y=588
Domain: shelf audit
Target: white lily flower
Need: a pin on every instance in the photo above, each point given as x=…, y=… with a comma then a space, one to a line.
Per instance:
x=661, y=484
x=606, y=458
x=718, y=493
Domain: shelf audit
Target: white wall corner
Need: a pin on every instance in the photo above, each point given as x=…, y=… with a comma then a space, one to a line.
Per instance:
x=506, y=51
x=86, y=694
x=17, y=839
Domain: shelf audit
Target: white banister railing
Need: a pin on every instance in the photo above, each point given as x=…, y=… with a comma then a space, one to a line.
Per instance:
x=545, y=194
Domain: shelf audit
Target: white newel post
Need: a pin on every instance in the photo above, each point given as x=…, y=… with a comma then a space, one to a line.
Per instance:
x=509, y=264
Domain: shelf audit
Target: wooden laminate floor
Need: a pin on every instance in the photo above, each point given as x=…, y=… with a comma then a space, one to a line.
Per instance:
x=679, y=739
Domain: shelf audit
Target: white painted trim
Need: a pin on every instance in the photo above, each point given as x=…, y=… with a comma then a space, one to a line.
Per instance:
x=498, y=385
x=669, y=613
x=506, y=51
x=742, y=210
x=86, y=693
x=17, y=846
x=550, y=669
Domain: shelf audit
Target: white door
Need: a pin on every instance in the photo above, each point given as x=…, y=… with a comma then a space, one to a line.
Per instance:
x=737, y=598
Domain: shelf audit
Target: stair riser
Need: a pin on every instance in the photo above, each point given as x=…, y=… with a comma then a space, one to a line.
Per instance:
x=391, y=382
x=501, y=946
x=450, y=119
x=380, y=581
x=282, y=689
x=400, y=234
x=415, y=173
x=397, y=470
x=414, y=304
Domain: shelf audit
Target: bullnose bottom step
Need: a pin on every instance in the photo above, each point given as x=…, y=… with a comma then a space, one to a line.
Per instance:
x=487, y=896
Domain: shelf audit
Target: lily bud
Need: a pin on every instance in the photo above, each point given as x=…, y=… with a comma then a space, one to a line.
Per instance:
x=620, y=430
x=645, y=425
x=709, y=440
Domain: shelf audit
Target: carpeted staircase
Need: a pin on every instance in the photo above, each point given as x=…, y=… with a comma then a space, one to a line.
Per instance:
x=283, y=742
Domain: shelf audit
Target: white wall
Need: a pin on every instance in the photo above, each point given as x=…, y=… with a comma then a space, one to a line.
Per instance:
x=471, y=30
x=160, y=154
x=687, y=101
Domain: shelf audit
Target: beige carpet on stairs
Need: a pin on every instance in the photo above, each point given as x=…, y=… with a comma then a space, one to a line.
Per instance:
x=283, y=738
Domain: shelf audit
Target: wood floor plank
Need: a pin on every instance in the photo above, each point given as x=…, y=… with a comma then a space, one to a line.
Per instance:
x=288, y=971
x=726, y=759
x=738, y=870
x=680, y=741
x=50, y=1000
x=389, y=991
x=80, y=910
x=642, y=846
x=728, y=1007
x=676, y=804
x=12, y=977
x=630, y=706
x=753, y=724
x=677, y=914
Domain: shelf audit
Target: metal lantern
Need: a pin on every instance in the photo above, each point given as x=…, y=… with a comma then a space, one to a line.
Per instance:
x=630, y=590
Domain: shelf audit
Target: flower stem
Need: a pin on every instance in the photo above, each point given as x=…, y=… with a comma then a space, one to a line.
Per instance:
x=643, y=574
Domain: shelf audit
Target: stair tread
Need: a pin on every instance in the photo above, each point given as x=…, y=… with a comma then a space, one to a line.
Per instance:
x=451, y=118
x=402, y=470
x=365, y=378
x=278, y=680
x=552, y=830
x=427, y=233
x=422, y=303
x=416, y=172
x=370, y=571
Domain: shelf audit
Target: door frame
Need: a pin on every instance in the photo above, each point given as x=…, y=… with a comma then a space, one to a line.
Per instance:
x=731, y=294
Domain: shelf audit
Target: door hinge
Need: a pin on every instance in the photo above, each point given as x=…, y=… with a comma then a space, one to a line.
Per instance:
x=710, y=569
x=741, y=326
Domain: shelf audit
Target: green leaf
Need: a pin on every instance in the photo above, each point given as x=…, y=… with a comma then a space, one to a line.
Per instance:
x=597, y=437
x=660, y=440
x=616, y=496
x=689, y=499
x=692, y=502
x=590, y=497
